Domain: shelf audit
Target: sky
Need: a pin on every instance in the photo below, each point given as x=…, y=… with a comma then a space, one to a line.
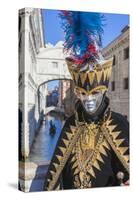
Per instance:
x=53, y=33
x=52, y=84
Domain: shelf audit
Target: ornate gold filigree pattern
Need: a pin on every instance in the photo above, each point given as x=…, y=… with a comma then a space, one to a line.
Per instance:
x=69, y=143
x=109, y=130
x=85, y=165
x=101, y=73
x=87, y=143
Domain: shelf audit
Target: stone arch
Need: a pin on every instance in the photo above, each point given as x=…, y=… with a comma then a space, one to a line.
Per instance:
x=44, y=82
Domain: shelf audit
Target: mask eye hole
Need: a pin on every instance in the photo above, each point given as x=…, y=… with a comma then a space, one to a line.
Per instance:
x=83, y=93
x=95, y=92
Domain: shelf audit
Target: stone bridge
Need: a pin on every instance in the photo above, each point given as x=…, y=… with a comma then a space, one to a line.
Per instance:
x=51, y=64
x=53, y=108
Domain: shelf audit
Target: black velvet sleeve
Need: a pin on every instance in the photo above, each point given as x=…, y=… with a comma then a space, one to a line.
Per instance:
x=117, y=165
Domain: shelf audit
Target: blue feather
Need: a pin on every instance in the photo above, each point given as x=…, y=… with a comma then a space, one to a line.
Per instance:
x=81, y=30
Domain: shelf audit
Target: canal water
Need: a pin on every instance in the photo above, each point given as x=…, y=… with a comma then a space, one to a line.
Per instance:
x=44, y=143
x=42, y=151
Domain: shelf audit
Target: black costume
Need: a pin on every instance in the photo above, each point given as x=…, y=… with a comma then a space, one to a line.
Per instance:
x=108, y=154
x=93, y=147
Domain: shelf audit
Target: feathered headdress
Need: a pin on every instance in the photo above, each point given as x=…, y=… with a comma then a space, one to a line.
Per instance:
x=83, y=39
x=83, y=33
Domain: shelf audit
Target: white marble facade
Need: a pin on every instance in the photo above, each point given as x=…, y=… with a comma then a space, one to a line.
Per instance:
x=37, y=63
x=51, y=63
x=30, y=41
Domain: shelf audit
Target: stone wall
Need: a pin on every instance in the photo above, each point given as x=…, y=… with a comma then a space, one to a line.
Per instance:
x=119, y=96
x=30, y=42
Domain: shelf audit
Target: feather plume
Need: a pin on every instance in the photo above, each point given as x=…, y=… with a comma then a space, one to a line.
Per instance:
x=83, y=33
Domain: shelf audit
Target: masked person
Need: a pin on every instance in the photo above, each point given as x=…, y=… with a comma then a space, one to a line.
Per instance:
x=92, y=150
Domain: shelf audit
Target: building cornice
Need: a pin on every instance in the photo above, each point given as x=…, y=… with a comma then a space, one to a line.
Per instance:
x=114, y=45
x=25, y=11
x=118, y=38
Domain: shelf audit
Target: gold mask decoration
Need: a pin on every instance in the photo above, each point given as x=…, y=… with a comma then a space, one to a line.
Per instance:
x=91, y=76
